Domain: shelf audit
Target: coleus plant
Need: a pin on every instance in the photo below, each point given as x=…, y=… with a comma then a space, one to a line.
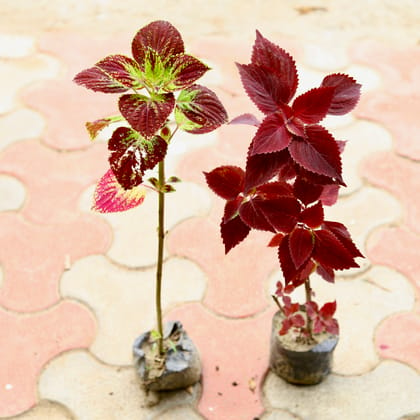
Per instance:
x=293, y=169
x=159, y=95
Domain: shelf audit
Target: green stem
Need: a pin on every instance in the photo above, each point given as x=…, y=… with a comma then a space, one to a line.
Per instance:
x=161, y=239
x=308, y=292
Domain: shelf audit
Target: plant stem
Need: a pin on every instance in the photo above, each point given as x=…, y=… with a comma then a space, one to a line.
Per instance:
x=161, y=239
x=308, y=292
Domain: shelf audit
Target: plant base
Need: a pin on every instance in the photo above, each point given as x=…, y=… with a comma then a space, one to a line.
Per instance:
x=178, y=368
x=300, y=363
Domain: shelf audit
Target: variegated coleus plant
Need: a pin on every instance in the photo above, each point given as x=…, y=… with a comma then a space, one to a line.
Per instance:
x=158, y=96
x=293, y=170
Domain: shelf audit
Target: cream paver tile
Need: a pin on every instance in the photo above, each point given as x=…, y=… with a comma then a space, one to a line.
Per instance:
x=16, y=46
x=12, y=193
x=386, y=393
x=135, y=237
x=45, y=410
x=179, y=413
x=94, y=391
x=361, y=213
x=20, y=124
x=363, y=139
x=279, y=415
x=15, y=74
x=362, y=303
x=123, y=300
x=331, y=56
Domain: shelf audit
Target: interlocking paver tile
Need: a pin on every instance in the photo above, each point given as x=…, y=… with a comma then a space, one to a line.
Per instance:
x=398, y=337
x=387, y=392
x=45, y=410
x=397, y=105
x=12, y=193
x=54, y=180
x=15, y=46
x=94, y=391
x=123, y=300
x=34, y=256
x=279, y=415
x=32, y=341
x=399, y=176
x=179, y=413
x=234, y=355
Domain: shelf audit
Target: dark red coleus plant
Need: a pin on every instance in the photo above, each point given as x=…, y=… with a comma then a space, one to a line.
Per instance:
x=162, y=80
x=293, y=170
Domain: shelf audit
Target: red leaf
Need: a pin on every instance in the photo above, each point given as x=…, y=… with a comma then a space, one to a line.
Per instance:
x=271, y=136
x=285, y=326
x=252, y=215
x=329, y=194
x=298, y=321
x=96, y=126
x=262, y=168
x=232, y=209
x=276, y=240
x=330, y=252
x=113, y=74
x=203, y=108
x=131, y=155
x=326, y=273
x=306, y=191
x=301, y=245
x=226, y=181
x=247, y=119
x=313, y=216
x=318, y=153
x=264, y=87
x=111, y=197
x=286, y=263
x=186, y=70
x=233, y=232
x=146, y=115
x=343, y=235
x=332, y=326
x=328, y=310
x=278, y=188
x=346, y=93
x=312, y=106
x=159, y=36
x=269, y=55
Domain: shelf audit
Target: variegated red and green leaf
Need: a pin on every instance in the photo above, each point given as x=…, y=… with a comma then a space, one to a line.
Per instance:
x=318, y=152
x=301, y=245
x=226, y=181
x=113, y=74
x=160, y=37
x=110, y=197
x=271, y=56
x=233, y=232
x=96, y=126
x=271, y=136
x=199, y=110
x=346, y=93
x=185, y=70
x=146, y=114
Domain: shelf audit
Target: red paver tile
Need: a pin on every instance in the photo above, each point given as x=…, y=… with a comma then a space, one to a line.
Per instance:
x=32, y=341
x=399, y=176
x=67, y=107
x=33, y=257
x=54, y=180
x=236, y=281
x=398, y=107
x=398, y=337
x=234, y=354
x=397, y=248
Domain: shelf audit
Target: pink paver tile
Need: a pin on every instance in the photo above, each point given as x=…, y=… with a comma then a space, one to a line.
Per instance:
x=67, y=107
x=398, y=337
x=399, y=176
x=236, y=281
x=32, y=341
x=234, y=354
x=397, y=248
x=397, y=108
x=33, y=257
x=54, y=180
